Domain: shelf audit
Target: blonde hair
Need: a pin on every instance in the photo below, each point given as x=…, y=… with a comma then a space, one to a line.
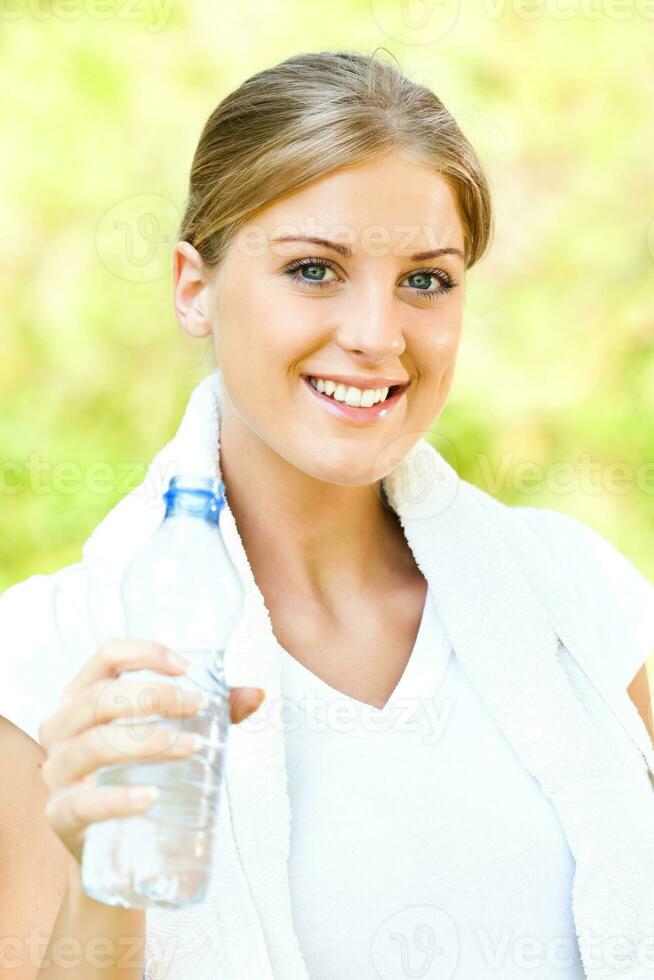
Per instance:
x=312, y=113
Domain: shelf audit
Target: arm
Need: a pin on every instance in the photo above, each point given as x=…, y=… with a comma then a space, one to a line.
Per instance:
x=640, y=694
x=33, y=861
x=42, y=903
x=92, y=940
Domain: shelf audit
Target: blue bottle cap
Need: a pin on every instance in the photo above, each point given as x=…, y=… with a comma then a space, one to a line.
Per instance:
x=192, y=481
x=196, y=494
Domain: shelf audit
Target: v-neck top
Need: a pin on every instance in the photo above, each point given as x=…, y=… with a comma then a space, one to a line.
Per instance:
x=420, y=846
x=421, y=673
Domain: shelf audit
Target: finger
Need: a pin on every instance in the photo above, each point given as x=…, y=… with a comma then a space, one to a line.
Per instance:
x=106, y=700
x=243, y=701
x=71, y=810
x=113, y=656
x=73, y=759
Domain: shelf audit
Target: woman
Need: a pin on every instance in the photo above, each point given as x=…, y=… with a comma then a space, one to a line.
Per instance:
x=452, y=826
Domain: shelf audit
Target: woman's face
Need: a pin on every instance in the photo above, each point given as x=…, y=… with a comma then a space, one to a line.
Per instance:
x=369, y=307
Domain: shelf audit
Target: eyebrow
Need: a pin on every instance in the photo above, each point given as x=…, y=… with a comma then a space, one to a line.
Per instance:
x=346, y=251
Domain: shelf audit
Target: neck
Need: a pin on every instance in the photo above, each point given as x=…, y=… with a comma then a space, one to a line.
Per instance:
x=324, y=540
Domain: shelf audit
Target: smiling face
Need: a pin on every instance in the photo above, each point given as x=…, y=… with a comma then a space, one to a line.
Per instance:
x=370, y=307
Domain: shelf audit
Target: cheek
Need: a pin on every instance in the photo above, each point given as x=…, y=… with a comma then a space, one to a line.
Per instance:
x=242, y=306
x=436, y=362
x=447, y=336
x=255, y=360
x=435, y=346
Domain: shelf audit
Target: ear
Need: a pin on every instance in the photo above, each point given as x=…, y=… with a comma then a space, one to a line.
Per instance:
x=191, y=291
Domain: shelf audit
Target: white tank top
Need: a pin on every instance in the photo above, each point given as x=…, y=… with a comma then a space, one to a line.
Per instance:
x=420, y=846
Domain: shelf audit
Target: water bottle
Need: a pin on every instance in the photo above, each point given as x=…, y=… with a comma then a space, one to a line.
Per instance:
x=181, y=590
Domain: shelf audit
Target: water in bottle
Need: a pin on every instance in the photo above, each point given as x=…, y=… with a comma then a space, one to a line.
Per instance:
x=181, y=590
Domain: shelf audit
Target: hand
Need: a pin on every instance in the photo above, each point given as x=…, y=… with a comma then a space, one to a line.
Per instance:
x=79, y=737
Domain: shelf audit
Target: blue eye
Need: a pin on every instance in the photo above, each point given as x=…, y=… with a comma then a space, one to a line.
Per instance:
x=313, y=265
x=295, y=271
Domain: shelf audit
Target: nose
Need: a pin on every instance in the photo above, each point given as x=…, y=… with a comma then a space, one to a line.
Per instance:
x=371, y=330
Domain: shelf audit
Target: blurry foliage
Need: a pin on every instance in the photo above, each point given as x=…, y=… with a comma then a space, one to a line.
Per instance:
x=556, y=360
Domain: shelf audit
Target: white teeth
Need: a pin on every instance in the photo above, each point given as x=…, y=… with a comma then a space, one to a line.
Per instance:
x=350, y=394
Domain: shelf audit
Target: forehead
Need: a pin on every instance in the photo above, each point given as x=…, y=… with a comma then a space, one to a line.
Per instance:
x=394, y=201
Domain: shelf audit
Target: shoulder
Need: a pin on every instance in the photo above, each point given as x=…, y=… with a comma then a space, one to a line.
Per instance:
x=46, y=634
x=595, y=560
x=608, y=585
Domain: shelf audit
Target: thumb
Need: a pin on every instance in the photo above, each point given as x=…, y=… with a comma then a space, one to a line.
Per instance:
x=243, y=701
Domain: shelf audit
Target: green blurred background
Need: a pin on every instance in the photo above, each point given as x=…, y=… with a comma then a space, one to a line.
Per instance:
x=553, y=402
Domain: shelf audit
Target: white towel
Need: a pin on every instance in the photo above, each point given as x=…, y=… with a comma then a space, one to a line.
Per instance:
x=523, y=643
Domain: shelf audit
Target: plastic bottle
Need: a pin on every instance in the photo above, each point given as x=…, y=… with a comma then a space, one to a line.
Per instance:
x=181, y=590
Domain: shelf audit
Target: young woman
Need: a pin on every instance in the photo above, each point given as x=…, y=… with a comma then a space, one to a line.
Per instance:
x=461, y=666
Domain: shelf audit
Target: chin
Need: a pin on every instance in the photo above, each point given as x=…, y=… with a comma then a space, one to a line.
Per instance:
x=352, y=473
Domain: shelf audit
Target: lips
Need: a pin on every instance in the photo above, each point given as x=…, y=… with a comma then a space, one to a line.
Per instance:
x=352, y=413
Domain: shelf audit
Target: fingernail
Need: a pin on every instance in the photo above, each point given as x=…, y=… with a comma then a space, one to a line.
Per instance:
x=175, y=660
x=248, y=706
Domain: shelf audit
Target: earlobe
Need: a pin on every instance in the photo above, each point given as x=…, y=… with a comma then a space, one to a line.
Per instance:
x=192, y=316
x=194, y=322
